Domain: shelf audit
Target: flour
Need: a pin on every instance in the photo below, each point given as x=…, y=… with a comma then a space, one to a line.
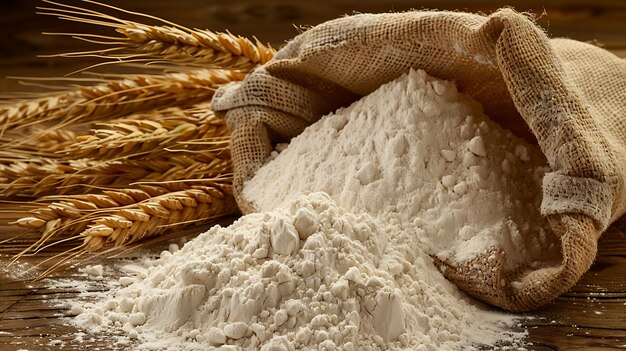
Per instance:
x=353, y=284
x=418, y=154
x=340, y=256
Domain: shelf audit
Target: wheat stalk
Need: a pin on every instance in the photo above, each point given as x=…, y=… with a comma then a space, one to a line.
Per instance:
x=155, y=159
x=169, y=42
x=153, y=134
x=159, y=214
x=118, y=97
x=126, y=216
x=46, y=143
x=145, y=133
x=44, y=176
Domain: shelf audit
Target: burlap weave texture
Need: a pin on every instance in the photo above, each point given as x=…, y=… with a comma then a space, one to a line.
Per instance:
x=567, y=95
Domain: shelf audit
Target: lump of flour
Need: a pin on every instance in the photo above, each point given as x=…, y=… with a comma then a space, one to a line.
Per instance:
x=307, y=276
x=418, y=154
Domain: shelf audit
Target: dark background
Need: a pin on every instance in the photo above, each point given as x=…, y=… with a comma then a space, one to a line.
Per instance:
x=602, y=22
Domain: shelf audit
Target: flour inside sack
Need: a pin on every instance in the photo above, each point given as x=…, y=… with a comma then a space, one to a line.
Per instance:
x=418, y=154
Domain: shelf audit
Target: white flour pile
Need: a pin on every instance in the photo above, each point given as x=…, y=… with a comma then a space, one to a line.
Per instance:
x=419, y=154
x=311, y=276
x=412, y=167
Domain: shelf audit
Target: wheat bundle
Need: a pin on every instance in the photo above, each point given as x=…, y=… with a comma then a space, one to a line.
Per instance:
x=127, y=215
x=43, y=176
x=133, y=93
x=147, y=133
x=134, y=155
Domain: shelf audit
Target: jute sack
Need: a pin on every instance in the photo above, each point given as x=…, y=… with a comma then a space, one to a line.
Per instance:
x=567, y=95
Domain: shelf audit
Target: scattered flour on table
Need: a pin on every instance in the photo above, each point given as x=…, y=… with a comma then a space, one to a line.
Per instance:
x=339, y=257
x=419, y=154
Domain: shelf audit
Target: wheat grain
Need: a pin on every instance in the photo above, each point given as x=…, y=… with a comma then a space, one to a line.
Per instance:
x=167, y=42
x=153, y=134
x=43, y=176
x=158, y=214
x=118, y=97
x=147, y=211
x=69, y=215
x=157, y=157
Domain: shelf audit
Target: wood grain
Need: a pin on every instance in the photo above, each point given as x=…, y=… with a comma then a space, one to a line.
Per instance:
x=590, y=316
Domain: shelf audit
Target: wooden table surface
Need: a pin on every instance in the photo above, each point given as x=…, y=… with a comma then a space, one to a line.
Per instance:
x=590, y=316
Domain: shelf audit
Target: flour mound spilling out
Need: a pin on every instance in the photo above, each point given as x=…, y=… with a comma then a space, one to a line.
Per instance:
x=307, y=276
x=340, y=256
x=418, y=154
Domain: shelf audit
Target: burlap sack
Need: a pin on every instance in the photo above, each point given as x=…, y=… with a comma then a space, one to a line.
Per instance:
x=569, y=96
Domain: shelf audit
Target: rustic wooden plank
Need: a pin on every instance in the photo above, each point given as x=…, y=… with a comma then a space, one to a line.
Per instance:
x=7, y=303
x=52, y=302
x=606, y=276
x=573, y=338
x=51, y=342
x=53, y=326
x=583, y=313
x=39, y=313
x=26, y=323
x=58, y=336
x=574, y=309
x=613, y=241
x=13, y=292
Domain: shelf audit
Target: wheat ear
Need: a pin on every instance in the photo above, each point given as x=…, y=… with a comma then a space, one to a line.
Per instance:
x=65, y=216
x=120, y=217
x=118, y=97
x=48, y=143
x=169, y=42
x=44, y=176
x=159, y=214
x=153, y=134
x=143, y=133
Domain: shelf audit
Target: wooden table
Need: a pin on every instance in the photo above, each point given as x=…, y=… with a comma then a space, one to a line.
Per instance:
x=590, y=316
